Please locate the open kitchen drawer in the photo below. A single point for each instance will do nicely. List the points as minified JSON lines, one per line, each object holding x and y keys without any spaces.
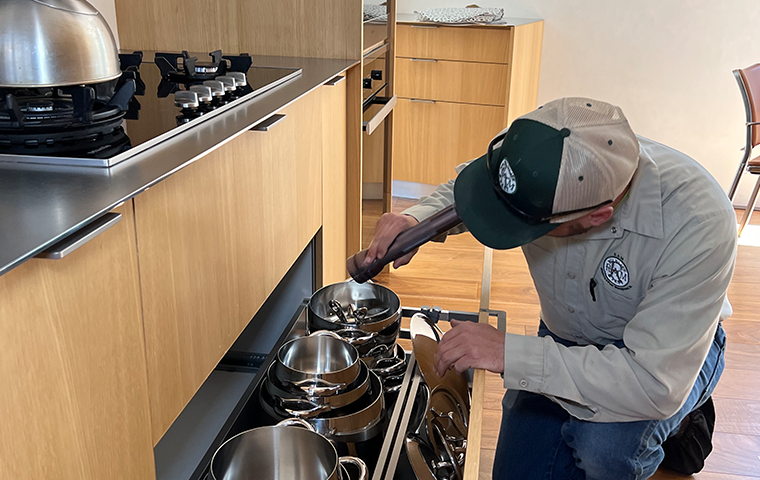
{"x":228,"y":402}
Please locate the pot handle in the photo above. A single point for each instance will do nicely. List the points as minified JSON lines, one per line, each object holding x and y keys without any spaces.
{"x":355,"y":340}
{"x":357,"y":462}
{"x":317,"y":386}
{"x":296,"y":422}
{"x":326,"y":333}
{"x":377,"y":350}
{"x":397,"y":362}
{"x":299,"y":412}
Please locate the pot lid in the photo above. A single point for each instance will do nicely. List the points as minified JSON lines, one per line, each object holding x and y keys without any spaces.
{"x":73,"y":6}
{"x":425,"y":349}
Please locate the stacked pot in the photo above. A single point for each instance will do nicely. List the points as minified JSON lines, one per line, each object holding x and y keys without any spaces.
{"x":368,"y":316}
{"x":321,"y":379}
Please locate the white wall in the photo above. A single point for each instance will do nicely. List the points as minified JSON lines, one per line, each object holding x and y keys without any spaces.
{"x":108,"y":9}
{"x":666,"y":63}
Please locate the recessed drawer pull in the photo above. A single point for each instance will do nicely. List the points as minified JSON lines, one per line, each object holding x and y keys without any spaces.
{"x":431,"y":60}
{"x":270,"y":122}
{"x":375,"y":121}
{"x":80,"y":237}
{"x":418,"y":100}
{"x":424,"y":26}
{"x":335,"y":80}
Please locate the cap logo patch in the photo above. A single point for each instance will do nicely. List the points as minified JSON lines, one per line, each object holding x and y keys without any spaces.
{"x":615,"y":272}
{"x":507,"y":179}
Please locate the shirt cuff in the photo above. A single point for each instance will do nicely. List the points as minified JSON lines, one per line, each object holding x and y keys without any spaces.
{"x":523,"y":363}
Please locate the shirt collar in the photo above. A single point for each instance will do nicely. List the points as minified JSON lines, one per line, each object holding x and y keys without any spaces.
{"x":641,"y":210}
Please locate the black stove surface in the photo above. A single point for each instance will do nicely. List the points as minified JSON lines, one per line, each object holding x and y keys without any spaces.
{"x":157,"y":97}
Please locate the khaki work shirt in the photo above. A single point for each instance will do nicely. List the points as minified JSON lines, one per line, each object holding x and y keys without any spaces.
{"x":654,"y":277}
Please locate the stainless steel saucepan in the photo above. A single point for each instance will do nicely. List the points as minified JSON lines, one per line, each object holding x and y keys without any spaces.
{"x":281,"y":452}
{"x":321,"y":362}
{"x":290,"y":396}
{"x":368,"y":307}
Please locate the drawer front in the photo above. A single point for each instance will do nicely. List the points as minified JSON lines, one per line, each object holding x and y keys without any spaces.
{"x":432,"y":138}
{"x":468,"y":44}
{"x":481,"y":83}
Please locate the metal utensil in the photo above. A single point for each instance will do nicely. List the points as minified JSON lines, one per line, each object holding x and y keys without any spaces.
{"x":55,"y":43}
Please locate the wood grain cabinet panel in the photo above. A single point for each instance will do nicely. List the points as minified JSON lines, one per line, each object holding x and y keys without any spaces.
{"x":433,"y":138}
{"x":470,"y":44}
{"x":75,"y":399}
{"x":334,"y":183}
{"x":462,"y":82}
{"x":214,"y":241}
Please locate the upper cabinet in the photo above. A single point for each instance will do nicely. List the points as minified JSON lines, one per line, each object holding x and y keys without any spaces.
{"x":292,"y":28}
{"x":458,"y":86}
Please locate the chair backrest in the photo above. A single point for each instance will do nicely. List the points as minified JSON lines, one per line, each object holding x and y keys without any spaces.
{"x":749,"y":84}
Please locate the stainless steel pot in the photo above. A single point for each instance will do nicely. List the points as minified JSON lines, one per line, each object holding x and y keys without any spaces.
{"x":281,"y":452}
{"x":357,"y":422}
{"x":290,"y":397}
{"x":318,"y":361}
{"x":383,"y":307}
{"x":55,"y":43}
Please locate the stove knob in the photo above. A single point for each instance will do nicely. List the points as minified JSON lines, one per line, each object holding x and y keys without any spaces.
{"x":229,"y":83}
{"x":203,"y":91}
{"x":185,"y":99}
{"x":217,"y":88}
{"x":240,"y":79}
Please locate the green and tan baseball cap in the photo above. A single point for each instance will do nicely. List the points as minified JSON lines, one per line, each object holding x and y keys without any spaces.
{"x":553,"y":165}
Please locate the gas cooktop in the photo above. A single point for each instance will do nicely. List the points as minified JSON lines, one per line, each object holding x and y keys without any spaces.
{"x":155,"y":99}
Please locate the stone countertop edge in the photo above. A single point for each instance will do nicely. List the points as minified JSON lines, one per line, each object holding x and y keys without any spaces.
{"x":42,"y":204}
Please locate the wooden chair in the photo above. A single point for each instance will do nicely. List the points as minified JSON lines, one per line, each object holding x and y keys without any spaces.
{"x":749,"y":85}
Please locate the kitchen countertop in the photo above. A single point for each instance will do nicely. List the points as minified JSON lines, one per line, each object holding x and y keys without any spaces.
{"x":504,"y":22}
{"x":42,"y":204}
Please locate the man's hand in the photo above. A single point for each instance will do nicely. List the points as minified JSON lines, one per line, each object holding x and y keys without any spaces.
{"x":387,"y":229}
{"x":470,"y":345}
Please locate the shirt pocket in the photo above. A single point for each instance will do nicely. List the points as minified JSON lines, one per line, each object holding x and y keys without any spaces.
{"x":612,"y":308}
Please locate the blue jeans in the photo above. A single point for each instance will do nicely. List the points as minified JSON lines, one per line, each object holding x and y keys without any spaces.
{"x":540,"y":440}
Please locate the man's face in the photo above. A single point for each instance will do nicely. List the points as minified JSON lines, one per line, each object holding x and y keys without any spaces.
{"x":568,"y":229}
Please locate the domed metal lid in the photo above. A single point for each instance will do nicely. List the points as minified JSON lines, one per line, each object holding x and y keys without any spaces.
{"x":49,"y":43}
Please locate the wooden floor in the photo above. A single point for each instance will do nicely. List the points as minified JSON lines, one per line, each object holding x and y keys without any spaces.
{"x":448,"y":275}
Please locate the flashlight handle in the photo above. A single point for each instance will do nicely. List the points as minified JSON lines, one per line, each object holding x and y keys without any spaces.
{"x":404,"y":243}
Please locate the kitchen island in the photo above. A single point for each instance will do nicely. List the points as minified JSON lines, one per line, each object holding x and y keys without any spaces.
{"x":42,"y":204}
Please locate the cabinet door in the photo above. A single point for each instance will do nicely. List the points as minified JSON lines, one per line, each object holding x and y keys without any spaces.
{"x":74,"y":402}
{"x":463,"y":82}
{"x":214,"y":241}
{"x":334,"y":184}
{"x":432,"y":138}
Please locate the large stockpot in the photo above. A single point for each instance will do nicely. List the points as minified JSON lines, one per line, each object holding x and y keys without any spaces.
{"x":357,"y":422}
{"x":280,"y":452}
{"x":319,"y":360}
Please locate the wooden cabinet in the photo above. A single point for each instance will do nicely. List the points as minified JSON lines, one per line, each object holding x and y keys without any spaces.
{"x":458,"y":86}
{"x":466,"y":44}
{"x":434,"y":137}
{"x":443,"y":80}
{"x":215,"y":239}
{"x":334,"y":183}
{"x":73,"y":363}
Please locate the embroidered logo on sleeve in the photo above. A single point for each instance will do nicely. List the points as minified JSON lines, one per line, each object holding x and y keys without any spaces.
{"x":507,"y":178}
{"x":615,"y":272}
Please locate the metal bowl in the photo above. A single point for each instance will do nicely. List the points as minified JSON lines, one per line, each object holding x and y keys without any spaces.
{"x":55,"y":43}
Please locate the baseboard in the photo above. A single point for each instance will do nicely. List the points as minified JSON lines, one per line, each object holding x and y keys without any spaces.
{"x":411,"y":189}
{"x":372,"y":191}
